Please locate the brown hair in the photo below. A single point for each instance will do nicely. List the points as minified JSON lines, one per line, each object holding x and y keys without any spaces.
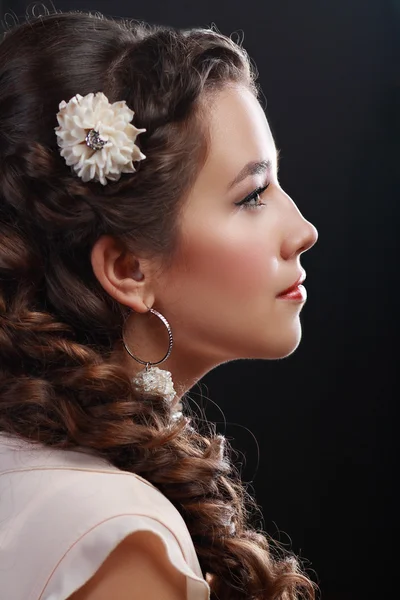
{"x":58,"y":326}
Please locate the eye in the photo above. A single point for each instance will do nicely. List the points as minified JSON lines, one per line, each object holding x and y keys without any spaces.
{"x":253,"y":196}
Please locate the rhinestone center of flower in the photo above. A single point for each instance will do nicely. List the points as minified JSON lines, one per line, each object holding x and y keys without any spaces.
{"x":94,"y":141}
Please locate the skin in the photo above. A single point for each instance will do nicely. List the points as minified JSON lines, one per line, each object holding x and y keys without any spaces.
{"x":220,"y":295}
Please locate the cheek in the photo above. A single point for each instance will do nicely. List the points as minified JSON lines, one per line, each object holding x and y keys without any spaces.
{"x":232,"y":265}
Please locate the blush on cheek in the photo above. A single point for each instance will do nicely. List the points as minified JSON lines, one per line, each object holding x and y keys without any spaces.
{"x":251,"y":268}
{"x":238,"y":270}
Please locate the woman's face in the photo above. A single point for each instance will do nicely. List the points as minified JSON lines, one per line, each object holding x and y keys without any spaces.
{"x":220,"y":296}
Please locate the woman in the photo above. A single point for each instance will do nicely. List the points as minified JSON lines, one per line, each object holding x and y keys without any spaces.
{"x":141,"y":224}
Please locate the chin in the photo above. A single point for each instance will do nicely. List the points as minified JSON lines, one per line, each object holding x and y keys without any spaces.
{"x":283,"y":345}
{"x":287,"y":351}
{"x":277,"y":344}
{"x":287,"y":347}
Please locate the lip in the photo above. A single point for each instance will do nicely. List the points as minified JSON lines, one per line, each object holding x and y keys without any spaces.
{"x":298,"y":281}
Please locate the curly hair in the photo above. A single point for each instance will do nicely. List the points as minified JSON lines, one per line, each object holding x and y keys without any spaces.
{"x":58,"y":326}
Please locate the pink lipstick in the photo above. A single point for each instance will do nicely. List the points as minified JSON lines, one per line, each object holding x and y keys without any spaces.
{"x":296,"y":291}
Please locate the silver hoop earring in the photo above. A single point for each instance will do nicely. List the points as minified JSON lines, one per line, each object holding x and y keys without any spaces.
{"x":152,"y":380}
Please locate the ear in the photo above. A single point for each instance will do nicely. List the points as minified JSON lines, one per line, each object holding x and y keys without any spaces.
{"x":123,"y":276}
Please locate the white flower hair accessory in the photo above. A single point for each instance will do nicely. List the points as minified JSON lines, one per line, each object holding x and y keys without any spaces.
{"x":96,"y":138}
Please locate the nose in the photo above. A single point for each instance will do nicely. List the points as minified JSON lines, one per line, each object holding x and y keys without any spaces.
{"x":299,"y":238}
{"x":310,"y":237}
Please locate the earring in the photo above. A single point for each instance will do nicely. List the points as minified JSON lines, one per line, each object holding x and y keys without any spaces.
{"x":152,"y":380}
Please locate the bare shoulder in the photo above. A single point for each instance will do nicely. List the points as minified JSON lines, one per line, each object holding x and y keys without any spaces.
{"x":138,"y":568}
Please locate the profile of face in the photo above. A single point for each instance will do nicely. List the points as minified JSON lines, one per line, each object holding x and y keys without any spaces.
{"x":220,"y":294}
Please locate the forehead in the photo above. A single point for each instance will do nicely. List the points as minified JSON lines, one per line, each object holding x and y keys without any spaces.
{"x":238,"y":133}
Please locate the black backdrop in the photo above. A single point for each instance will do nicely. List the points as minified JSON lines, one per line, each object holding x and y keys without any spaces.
{"x":315,"y":431}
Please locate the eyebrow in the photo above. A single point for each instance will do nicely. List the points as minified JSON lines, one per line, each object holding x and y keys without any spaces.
{"x":255,"y":167}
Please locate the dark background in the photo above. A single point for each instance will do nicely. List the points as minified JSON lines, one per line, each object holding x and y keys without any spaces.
{"x":315,"y":432}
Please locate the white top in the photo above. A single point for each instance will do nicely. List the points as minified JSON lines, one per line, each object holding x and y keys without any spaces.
{"x":63,"y":512}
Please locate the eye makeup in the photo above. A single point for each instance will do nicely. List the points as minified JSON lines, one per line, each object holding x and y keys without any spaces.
{"x":253,"y":196}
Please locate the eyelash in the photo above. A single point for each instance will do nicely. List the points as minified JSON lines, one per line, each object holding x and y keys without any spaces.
{"x":253,"y":196}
